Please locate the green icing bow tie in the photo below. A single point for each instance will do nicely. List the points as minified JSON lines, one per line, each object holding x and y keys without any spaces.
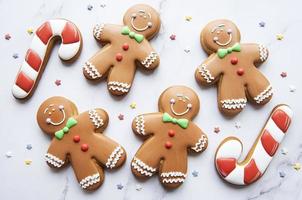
{"x":138,"y":37}
{"x":70,"y":123}
{"x":183,"y":123}
{"x":223,"y":52}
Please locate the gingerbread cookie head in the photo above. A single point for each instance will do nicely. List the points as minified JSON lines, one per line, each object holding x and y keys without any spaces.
{"x":53,"y":114}
{"x":179,"y":101}
{"x":142,"y":19}
{"x":218,"y":34}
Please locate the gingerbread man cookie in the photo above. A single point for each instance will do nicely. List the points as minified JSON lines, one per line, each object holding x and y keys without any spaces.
{"x":233,"y":66}
{"x":126,"y":46}
{"x":37,"y":55}
{"x":259,"y":157}
{"x":77,"y":138}
{"x":170,"y":134}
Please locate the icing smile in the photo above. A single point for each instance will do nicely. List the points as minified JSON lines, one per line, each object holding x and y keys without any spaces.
{"x":183,"y":98}
{"x":142,"y":14}
{"x":50,"y":110}
{"x":221,"y":28}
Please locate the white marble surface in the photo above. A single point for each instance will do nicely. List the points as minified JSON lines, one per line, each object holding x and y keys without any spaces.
{"x":19,"y":127}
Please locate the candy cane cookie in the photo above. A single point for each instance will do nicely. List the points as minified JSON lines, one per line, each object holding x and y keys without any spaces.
{"x":260,"y":155}
{"x":38,"y":53}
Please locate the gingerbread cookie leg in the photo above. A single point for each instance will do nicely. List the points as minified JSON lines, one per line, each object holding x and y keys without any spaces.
{"x":56,"y":155}
{"x":259,"y":89}
{"x":89,"y":174}
{"x":120,"y":79}
{"x":261,"y":154}
{"x":174,"y":172}
{"x":231,"y":97}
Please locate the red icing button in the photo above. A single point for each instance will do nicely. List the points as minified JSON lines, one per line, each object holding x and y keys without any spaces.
{"x":240,"y":71}
{"x":234,"y":60}
{"x":119,"y":57}
{"x":125,"y":46}
{"x":168,"y":145}
{"x":76,"y":138}
{"x":171,"y":133}
{"x":84,"y":147}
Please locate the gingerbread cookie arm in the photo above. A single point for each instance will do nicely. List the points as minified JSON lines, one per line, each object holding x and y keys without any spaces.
{"x":147,"y":57}
{"x":56,"y":154}
{"x":145,"y":125}
{"x":260,"y":155}
{"x":197,"y":139}
{"x":258,"y":52}
{"x":99,"y":119}
{"x":209,"y":71}
{"x":105,"y":33}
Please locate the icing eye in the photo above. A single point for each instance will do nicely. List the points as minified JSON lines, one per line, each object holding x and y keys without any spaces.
{"x":172,"y":101}
{"x":48,"y":120}
{"x":133,"y":15}
{"x":145,"y":17}
{"x":149,"y":24}
{"x":189,"y":105}
{"x":53,"y":109}
{"x":61,"y":107}
{"x":229,"y":31}
{"x":215,"y":39}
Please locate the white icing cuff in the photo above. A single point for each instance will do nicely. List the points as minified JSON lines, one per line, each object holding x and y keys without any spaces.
{"x":98,"y":31}
{"x":150,"y":59}
{"x":92,"y":71}
{"x":263,"y":52}
{"x":200,"y":145}
{"x":205,"y":73}
{"x":142,"y":167}
{"x":173,"y":177}
{"x":140,"y":124}
{"x":90,"y":180}
{"x":234,"y":103}
{"x":53,"y":160}
{"x":114,"y":157}
{"x":95,"y":118}
{"x":264,"y":94}
{"x":119,"y":86}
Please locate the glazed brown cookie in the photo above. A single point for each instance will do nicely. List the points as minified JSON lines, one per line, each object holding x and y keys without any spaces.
{"x":233,"y":66}
{"x":77,"y":138}
{"x":169,"y":134}
{"x":126,"y":46}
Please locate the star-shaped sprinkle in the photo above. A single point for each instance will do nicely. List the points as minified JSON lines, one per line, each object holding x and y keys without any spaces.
{"x":103,"y":5}
{"x":195,"y":173}
{"x":188,"y":18}
{"x":283,"y":74}
{"x":282,"y":174}
{"x":284,"y":151}
{"x":297,"y":166}
{"x":279,"y":36}
{"x":238,"y":125}
{"x":262,"y":24}
{"x":58,"y":82}
{"x":27,"y":162}
{"x":15,"y":55}
{"x":8,"y":154}
{"x":89,"y":7}
{"x":29,"y":147}
{"x":172,"y":37}
{"x":119,"y":186}
{"x":133,"y":105}
{"x":216,"y":129}
{"x":121,"y":117}
{"x":292,"y":88}
{"x":138,"y":187}
{"x":7,"y":36}
{"x":30,"y":31}
{"x":187,"y":50}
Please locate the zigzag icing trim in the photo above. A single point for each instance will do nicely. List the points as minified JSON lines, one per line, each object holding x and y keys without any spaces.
{"x":98,"y":31}
{"x":53,"y":160}
{"x":150,"y":59}
{"x":264,"y":94}
{"x":95,"y":118}
{"x":263,"y":51}
{"x":200,"y":145}
{"x":90,"y":180}
{"x":173,"y":177}
{"x":119,"y":86}
{"x":114,"y":157}
{"x":91,"y":70}
{"x":234,"y":103}
{"x":142,"y":168}
{"x":205,"y":73}
{"x":140,"y":124}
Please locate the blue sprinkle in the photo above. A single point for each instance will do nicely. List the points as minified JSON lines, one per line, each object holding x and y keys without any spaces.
{"x":89,"y":7}
{"x":282,"y":174}
{"x":195,"y":173}
{"x":29,"y":147}
{"x":15,"y":56}
{"x":119,"y":186}
{"x":262,"y":24}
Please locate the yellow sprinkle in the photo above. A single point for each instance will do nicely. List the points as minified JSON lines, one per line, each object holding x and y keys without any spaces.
{"x":27,"y":162}
{"x":133,"y":105}
{"x":279,"y":37}
{"x":297,"y":166}
{"x":188,"y":18}
{"x":30,"y":31}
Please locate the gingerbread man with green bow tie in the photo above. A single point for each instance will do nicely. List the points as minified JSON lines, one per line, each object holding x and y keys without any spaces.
{"x":233,"y":67}
{"x":125,"y":47}
{"x":169,"y":135}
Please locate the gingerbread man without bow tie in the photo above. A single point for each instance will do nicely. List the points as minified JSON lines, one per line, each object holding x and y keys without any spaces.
{"x":170,"y":133}
{"x":125,"y":47}
{"x":77,"y":139}
{"x":233,"y":66}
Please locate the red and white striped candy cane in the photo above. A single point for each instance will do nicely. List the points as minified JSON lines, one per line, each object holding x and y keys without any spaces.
{"x":260,"y":155}
{"x":36,"y":56}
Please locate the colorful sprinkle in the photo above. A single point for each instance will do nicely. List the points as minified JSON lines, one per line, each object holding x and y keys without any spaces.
{"x":138,"y":187}
{"x":172,"y":37}
{"x":216,"y":129}
{"x":187,"y":50}
{"x":121,"y":117}
{"x":103,"y":5}
{"x":27,"y":162}
{"x":8,"y":154}
{"x":133,"y":105}
{"x":284,"y":151}
{"x":188,"y":18}
{"x":89,"y":7}
{"x":195,"y":173}
{"x":262,"y":24}
{"x":283,"y":74}
{"x":282,"y":174}
{"x":58,"y":82}
{"x":292,"y":88}
{"x":297,"y":166}
{"x":15,"y":55}
{"x":29,"y":147}
{"x":238,"y":125}
{"x":30,"y":31}
{"x":119,"y":186}
{"x":7,"y":36}
{"x":279,"y":37}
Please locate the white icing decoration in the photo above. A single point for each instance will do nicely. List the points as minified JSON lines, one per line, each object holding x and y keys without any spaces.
{"x":53,"y":160}
{"x":234,"y":103}
{"x":200,"y":145}
{"x":222,"y":29}
{"x":49,"y":120}
{"x":18,"y":92}
{"x":119,"y":86}
{"x":29,"y":71}
{"x":90,"y":180}
{"x":68,"y":51}
{"x":236,"y":176}
{"x":147,"y":62}
{"x":114,"y":157}
{"x":98,"y":31}
{"x":173,"y":180}
{"x":140,"y":124}
{"x":264,"y":94}
{"x":38,"y":46}
{"x":95,"y":118}
{"x":205,"y":73}
{"x":181,"y":97}
{"x":263,"y":52}
{"x":57,"y":26}
{"x":142,"y":168}
{"x":92,"y":71}
{"x":173,"y":177}
{"x":133,"y":16}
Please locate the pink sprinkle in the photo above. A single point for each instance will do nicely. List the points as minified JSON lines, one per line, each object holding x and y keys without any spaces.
{"x":216,"y":129}
{"x":121,"y":117}
{"x":172,"y":37}
{"x":7,"y":36}
{"x":283,"y":74}
{"x":58,"y":82}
